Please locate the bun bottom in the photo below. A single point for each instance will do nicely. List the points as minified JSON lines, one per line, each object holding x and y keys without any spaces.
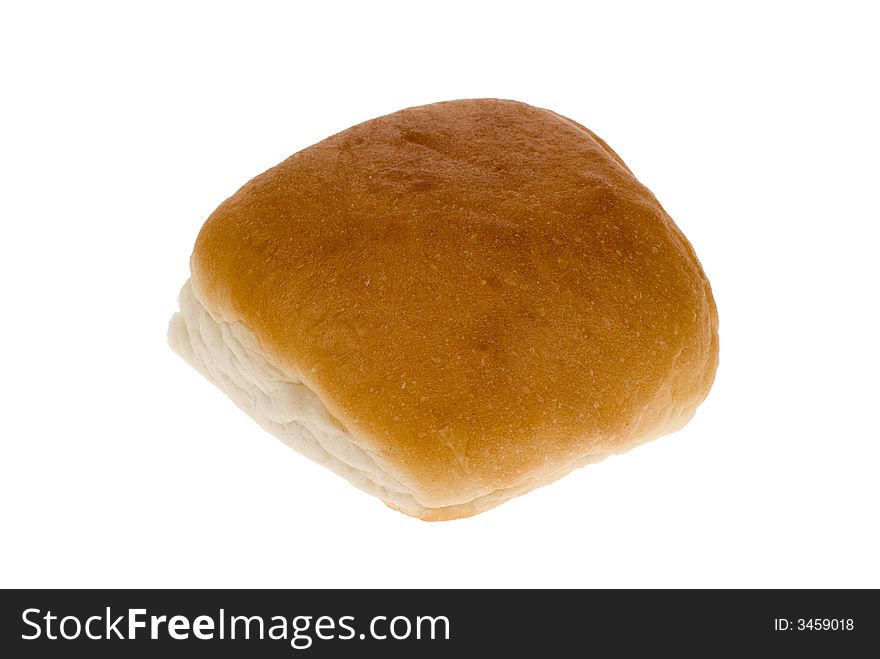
{"x":229,"y":356}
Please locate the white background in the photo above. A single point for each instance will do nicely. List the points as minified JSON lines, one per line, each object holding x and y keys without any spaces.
{"x":123,"y":128}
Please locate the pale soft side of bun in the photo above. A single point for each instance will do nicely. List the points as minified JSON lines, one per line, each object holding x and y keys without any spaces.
{"x":452,"y":305}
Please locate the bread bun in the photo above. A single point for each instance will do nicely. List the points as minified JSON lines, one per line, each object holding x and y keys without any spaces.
{"x":452,"y":305}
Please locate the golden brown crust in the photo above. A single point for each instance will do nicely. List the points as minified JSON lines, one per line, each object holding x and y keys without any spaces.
{"x":479,"y":290}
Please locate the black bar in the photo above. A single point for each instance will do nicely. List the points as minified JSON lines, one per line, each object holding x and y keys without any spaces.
{"x":833,"y":623}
